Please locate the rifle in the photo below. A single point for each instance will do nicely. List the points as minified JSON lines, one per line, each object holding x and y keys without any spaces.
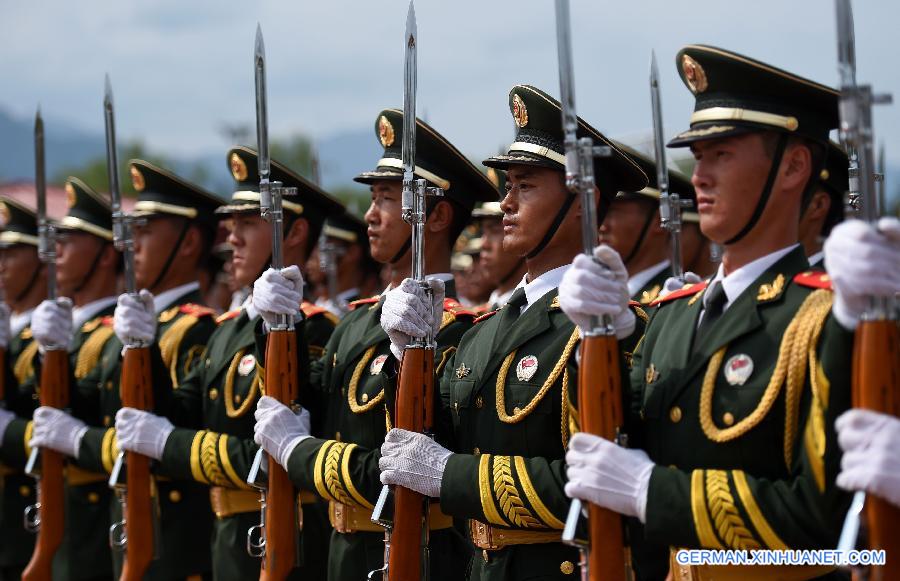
{"x":277,"y":531}
{"x":599,"y":389}
{"x":407,"y":535}
{"x":670,"y":204}
{"x":47,"y":517}
{"x":876,"y":349}
{"x":135,"y":534}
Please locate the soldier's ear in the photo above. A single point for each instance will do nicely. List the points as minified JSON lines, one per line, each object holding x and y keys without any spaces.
{"x":441,"y":217}
{"x":297,"y":235}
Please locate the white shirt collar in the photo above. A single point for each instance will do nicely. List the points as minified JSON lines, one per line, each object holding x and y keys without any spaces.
{"x":640,"y":280}
{"x":498,"y":299}
{"x":348,"y":294}
{"x":84,"y":313}
{"x":738,"y":280}
{"x":165,"y":299}
{"x":541,"y":285}
{"x":817,"y":257}
{"x":19,"y":321}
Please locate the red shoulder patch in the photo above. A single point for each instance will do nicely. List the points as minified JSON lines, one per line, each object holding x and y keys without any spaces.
{"x":107,"y":321}
{"x":196,"y":310}
{"x":485,"y":316}
{"x":228,"y":315}
{"x":368,"y":301}
{"x":634,"y":304}
{"x":814,"y":279}
{"x":310,"y":309}
{"x":688,"y":291}
{"x":453,"y":306}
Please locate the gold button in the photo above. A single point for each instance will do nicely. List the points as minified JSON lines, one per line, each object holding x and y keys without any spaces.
{"x":109,"y":385}
{"x":25,"y":490}
{"x":675,"y":414}
{"x":93,"y":498}
{"x":476,"y":451}
{"x":174,"y":496}
{"x":107,"y":421}
{"x":567,"y":567}
{"x":517,"y":410}
{"x":728,"y":419}
{"x":365,"y":397}
{"x":479,"y":402}
{"x":237,"y":398}
{"x":213,"y":394}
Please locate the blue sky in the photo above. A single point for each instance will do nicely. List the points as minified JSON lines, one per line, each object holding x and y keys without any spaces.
{"x":183,"y":69}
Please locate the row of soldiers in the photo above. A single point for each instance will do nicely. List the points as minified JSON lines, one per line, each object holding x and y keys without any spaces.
{"x":732,"y":382}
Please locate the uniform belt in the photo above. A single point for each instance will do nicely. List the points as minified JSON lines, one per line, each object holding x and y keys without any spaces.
{"x":76,"y":476}
{"x":490,"y":538}
{"x":744,"y":572}
{"x":227,"y":502}
{"x":347,"y":518}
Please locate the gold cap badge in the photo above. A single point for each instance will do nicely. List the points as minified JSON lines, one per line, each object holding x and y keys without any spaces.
{"x":137,"y":179}
{"x":70,"y":194}
{"x":238,"y":167}
{"x":385,"y":131}
{"x":694,"y":75}
{"x":520,"y":113}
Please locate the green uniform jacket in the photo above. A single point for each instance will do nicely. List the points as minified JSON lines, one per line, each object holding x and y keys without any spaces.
{"x":352,"y":419}
{"x":741,"y":427}
{"x":216,"y":403}
{"x":650,"y":291}
{"x":185,"y":517}
{"x":17,"y":489}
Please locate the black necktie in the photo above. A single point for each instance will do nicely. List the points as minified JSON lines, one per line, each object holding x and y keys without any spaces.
{"x":715,"y":306}
{"x":513,"y":307}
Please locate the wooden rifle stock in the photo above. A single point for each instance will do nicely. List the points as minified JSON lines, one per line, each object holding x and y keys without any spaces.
{"x":414,"y":413}
{"x":281,"y":497}
{"x":137,"y":392}
{"x":600,"y":411}
{"x":54,"y":387}
{"x":876,"y":387}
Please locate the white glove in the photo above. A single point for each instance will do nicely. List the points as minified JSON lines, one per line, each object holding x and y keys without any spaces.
{"x":135,"y":319}
{"x":278,"y":429}
{"x":413,"y":461}
{"x":5,"y":331}
{"x":278,"y":293}
{"x":871,"y":460}
{"x":142,"y":432}
{"x":57,"y":430}
{"x":406,"y":313}
{"x":608,"y":475}
{"x":6,"y":417}
{"x":862,"y":262}
{"x":591,"y":289}
{"x":673,"y":284}
{"x":51,"y":323}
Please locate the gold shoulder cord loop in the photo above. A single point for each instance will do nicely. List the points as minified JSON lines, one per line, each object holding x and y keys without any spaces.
{"x":355,"y":407}
{"x":554,"y":375}
{"x":797,"y":346}
{"x":229,"y":389}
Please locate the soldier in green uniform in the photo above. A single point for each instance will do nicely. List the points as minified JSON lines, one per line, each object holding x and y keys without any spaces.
{"x":507,"y":389}
{"x":632,"y":227}
{"x":87,"y":269}
{"x":213,"y":406}
{"x":826,"y":208}
{"x":349,"y":423}
{"x":172,"y":239}
{"x":504,"y":269}
{"x":738,"y":380}
{"x":24,"y":286}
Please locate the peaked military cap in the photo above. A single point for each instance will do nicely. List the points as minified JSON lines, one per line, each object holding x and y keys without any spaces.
{"x":539,"y":141}
{"x":835,"y":180}
{"x":437,"y":161}
{"x":346,"y":227}
{"x":488,"y":210}
{"x":18,"y":223}
{"x":678,"y":183}
{"x":162,"y":193}
{"x":88,"y":211}
{"x":736,"y":94}
{"x":311,"y":201}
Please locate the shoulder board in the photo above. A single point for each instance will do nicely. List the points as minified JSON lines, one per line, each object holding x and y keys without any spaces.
{"x":486,"y":316}
{"x":814,"y":279}
{"x":228,"y":315}
{"x":196,"y":310}
{"x":108,"y":321}
{"x":687,"y":291}
{"x":634,"y":304}
{"x":91,"y":326}
{"x":311,"y":310}
{"x":367,"y":301}
{"x":453,"y":306}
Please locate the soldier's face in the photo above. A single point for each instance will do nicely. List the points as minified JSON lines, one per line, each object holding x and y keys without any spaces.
{"x":251,"y":237}
{"x":624,"y":222}
{"x":495,"y":263}
{"x":534,"y":195}
{"x":729,"y":177}
{"x":153,"y":244}
{"x":17,"y":265}
{"x":76,"y":254}
{"x":386,"y":229}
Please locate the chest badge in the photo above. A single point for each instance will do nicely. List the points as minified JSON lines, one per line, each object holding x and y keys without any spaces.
{"x":738,"y":369}
{"x":462,"y":371}
{"x":526,"y":367}
{"x":377,"y":364}
{"x":246,"y":365}
{"x":651,"y":375}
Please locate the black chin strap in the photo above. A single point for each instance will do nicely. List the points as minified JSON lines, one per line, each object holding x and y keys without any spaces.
{"x":408,"y":242}
{"x":640,"y":239}
{"x":30,"y":284}
{"x":90,"y":270}
{"x":767,"y":190}
{"x":165,"y":268}
{"x":513,"y":271}
{"x":551,"y":231}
